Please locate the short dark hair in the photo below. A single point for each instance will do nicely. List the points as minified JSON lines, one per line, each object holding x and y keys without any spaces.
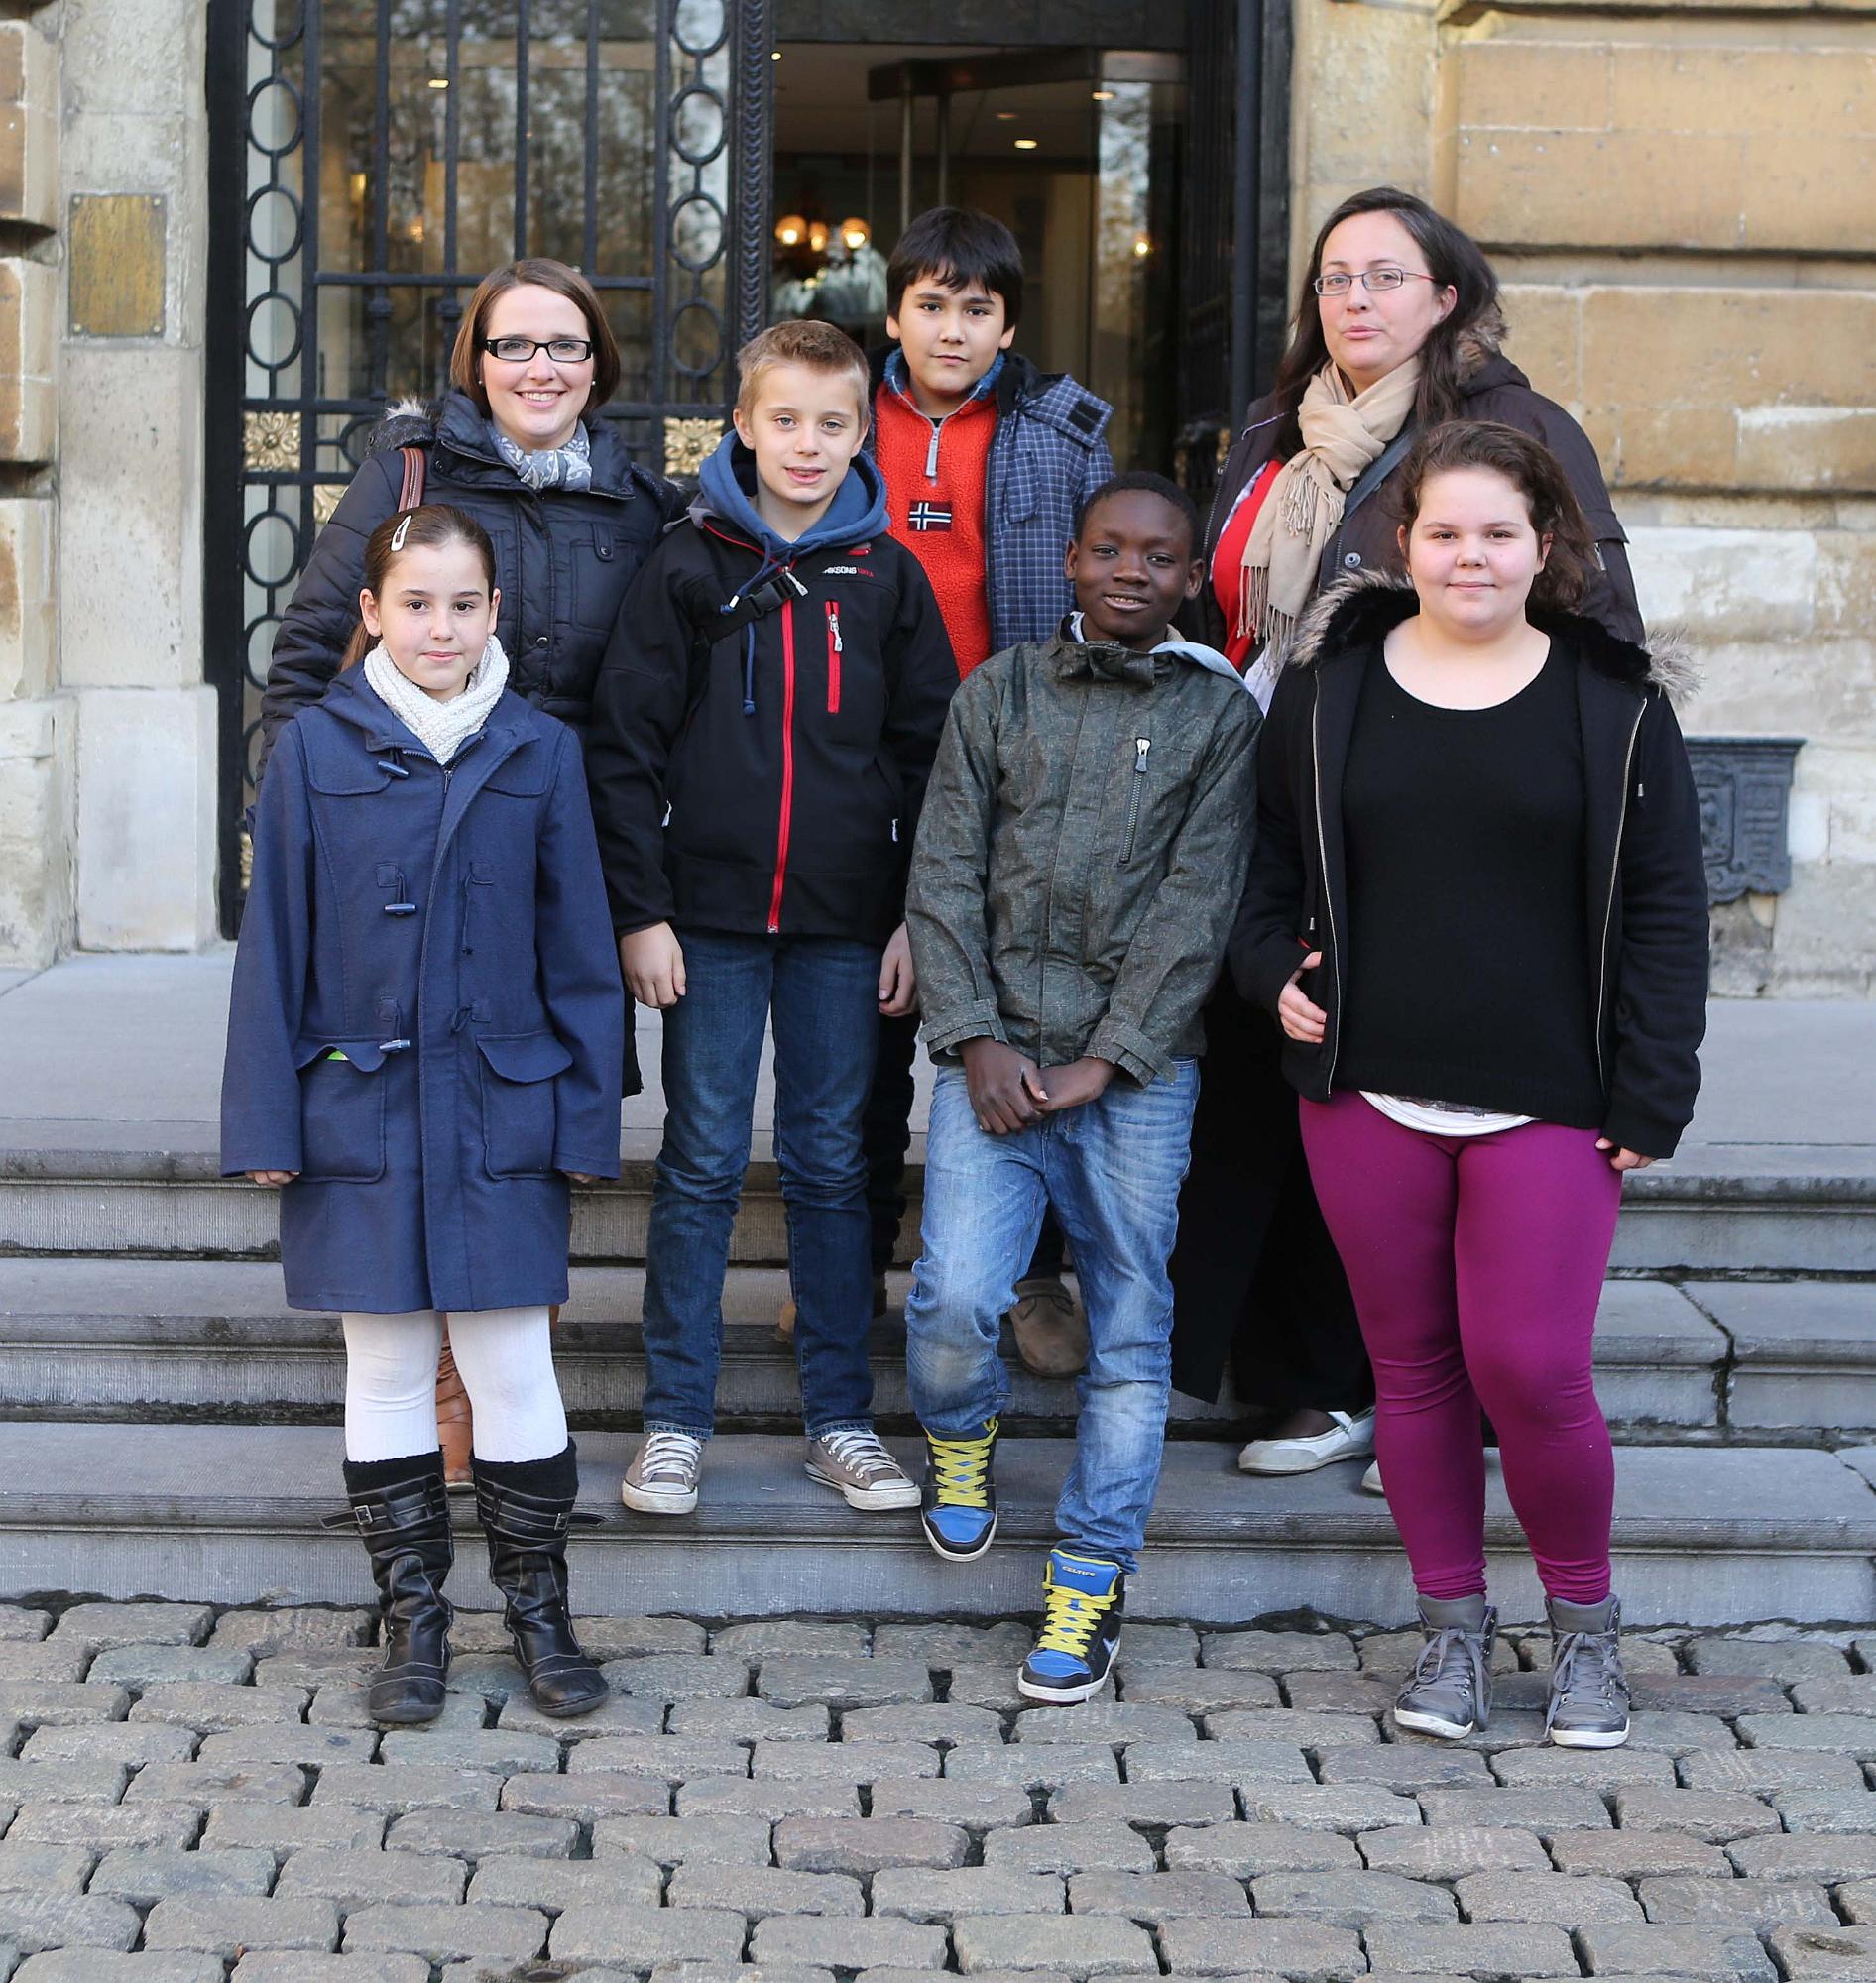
{"x":1535,"y":473}
{"x":1146,"y":483}
{"x":954,"y":246}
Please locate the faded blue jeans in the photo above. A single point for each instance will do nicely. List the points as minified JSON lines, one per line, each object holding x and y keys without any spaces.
{"x":1111,"y":1169}
{"x":824,"y":995}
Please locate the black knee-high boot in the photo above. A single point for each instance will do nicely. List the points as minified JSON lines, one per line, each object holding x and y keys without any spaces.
{"x":526,"y":1508}
{"x":401,"y":1512}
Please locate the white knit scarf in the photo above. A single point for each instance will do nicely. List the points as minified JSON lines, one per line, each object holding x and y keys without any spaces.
{"x":1342,"y":434}
{"x":442,"y":728}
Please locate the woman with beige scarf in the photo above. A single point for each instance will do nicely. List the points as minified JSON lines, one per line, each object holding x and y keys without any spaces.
{"x":1397,"y":328}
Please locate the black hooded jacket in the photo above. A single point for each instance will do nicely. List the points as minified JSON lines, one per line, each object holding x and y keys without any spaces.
{"x":1646,"y":908}
{"x":564,"y":559}
{"x":765,"y":723}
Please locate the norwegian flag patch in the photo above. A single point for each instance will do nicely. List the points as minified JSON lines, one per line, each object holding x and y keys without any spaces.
{"x":930,"y":516}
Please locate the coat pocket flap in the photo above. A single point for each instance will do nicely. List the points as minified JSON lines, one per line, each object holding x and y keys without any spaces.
{"x":368,"y":1056}
{"x":524,"y":1056}
{"x":523,"y":773}
{"x":344,"y":775}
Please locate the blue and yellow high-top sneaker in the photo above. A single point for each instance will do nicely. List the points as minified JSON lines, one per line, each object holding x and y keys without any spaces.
{"x":957,"y":1500}
{"x":1082,"y":1602}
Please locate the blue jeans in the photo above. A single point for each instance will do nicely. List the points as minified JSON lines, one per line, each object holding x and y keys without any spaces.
{"x":824,"y":994}
{"x":1111,"y":1171}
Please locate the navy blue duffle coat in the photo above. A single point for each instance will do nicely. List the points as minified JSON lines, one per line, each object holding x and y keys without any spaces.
{"x":446,"y":931}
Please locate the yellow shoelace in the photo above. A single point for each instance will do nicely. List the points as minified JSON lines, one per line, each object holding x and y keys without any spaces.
{"x":1070,"y":1619}
{"x":961,"y":1466}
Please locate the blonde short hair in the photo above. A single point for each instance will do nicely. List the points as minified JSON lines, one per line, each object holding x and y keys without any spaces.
{"x":821,"y":347}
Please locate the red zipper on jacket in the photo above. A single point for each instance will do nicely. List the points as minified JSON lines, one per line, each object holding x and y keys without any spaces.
{"x":833,"y":650}
{"x":787,"y":766}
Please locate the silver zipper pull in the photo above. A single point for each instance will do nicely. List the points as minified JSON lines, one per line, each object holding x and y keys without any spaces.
{"x":1141,"y":744}
{"x":833,"y":627}
{"x":931,"y":453}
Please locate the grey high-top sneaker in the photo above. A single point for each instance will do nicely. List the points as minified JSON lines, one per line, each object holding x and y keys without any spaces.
{"x":1588,"y":1703}
{"x":1449,"y":1691}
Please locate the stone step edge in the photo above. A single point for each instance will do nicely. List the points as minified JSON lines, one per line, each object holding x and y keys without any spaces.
{"x":297,"y":1333}
{"x":1204,"y":1501}
{"x":1823,"y":1175}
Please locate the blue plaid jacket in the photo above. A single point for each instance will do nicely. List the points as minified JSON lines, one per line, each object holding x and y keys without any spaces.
{"x":1048,"y":453}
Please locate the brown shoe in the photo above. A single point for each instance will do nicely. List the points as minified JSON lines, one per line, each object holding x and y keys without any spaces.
{"x":1050,"y":1328}
{"x":455,"y":1426}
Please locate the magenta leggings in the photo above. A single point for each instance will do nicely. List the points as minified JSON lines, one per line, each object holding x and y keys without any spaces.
{"x":1476,"y":1263}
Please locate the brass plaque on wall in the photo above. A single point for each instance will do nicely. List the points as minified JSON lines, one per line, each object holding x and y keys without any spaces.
{"x":115,"y":250}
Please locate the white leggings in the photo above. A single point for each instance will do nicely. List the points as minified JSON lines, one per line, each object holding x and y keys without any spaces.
{"x":505,"y":1356}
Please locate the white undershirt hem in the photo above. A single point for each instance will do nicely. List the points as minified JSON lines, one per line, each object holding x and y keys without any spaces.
{"x":1443,"y":1119}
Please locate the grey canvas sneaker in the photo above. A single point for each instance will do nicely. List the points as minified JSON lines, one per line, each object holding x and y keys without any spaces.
{"x":1588,"y":1698}
{"x":1449,"y":1691}
{"x":663,"y":1477}
{"x":855,"y":1465}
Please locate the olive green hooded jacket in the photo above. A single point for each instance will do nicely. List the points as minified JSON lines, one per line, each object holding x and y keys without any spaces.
{"x":1082,"y":851}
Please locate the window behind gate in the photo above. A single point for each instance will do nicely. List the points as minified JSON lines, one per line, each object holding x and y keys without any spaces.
{"x":371,"y":160}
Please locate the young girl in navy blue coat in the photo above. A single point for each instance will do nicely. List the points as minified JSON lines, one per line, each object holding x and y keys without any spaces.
{"x":423,"y":1046}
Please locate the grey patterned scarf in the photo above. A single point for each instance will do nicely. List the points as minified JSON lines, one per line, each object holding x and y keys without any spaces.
{"x":569,"y":467}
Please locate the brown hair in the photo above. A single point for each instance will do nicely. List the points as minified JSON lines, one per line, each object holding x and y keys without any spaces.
{"x":822,"y":347}
{"x":1535,"y":473}
{"x":539,"y":272}
{"x":428,"y":528}
{"x":1454,"y":261}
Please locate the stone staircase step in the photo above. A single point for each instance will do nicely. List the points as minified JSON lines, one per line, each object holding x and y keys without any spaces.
{"x":230,"y":1515}
{"x":1718,"y":1209}
{"x":1804,"y":1351}
{"x":84,"y":1337}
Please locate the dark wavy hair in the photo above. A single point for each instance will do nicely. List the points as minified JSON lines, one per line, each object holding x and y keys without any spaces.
{"x":427,"y":528}
{"x":956,"y":246}
{"x":1453,"y":260}
{"x":1535,"y":473}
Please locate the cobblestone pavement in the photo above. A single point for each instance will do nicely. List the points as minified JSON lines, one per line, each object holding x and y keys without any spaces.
{"x":193,"y":1798}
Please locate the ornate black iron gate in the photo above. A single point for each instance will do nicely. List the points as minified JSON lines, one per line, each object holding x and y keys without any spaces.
{"x":370,"y":160}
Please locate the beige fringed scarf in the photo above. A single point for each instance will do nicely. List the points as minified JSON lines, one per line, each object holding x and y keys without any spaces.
{"x":1301,"y":514}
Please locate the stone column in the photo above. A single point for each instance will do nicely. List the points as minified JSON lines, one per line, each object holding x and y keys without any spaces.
{"x":36,"y":727}
{"x":134,"y":184}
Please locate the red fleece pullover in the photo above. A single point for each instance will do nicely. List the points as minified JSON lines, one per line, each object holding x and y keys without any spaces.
{"x":935,"y":478}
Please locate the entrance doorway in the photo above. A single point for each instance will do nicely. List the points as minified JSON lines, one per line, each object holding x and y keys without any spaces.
{"x":1075,"y":150}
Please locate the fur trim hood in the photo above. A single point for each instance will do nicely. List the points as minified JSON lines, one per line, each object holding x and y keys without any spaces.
{"x":406,"y":422}
{"x":1482,"y":341}
{"x":1364,"y":606}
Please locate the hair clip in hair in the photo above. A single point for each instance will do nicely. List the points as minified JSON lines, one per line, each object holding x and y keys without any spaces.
{"x":402,"y":532}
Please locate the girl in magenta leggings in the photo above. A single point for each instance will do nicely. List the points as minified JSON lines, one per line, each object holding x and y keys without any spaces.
{"x":1477,"y":911}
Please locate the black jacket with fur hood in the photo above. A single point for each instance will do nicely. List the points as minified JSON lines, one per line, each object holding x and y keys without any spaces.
{"x":1493,"y":389}
{"x":1646,"y":912}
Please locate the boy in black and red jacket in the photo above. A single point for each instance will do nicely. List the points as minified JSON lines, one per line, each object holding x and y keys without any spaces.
{"x":764,"y":725}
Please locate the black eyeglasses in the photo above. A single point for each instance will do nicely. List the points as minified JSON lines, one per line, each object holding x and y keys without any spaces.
{"x":1369,"y":279}
{"x":519,"y":350}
